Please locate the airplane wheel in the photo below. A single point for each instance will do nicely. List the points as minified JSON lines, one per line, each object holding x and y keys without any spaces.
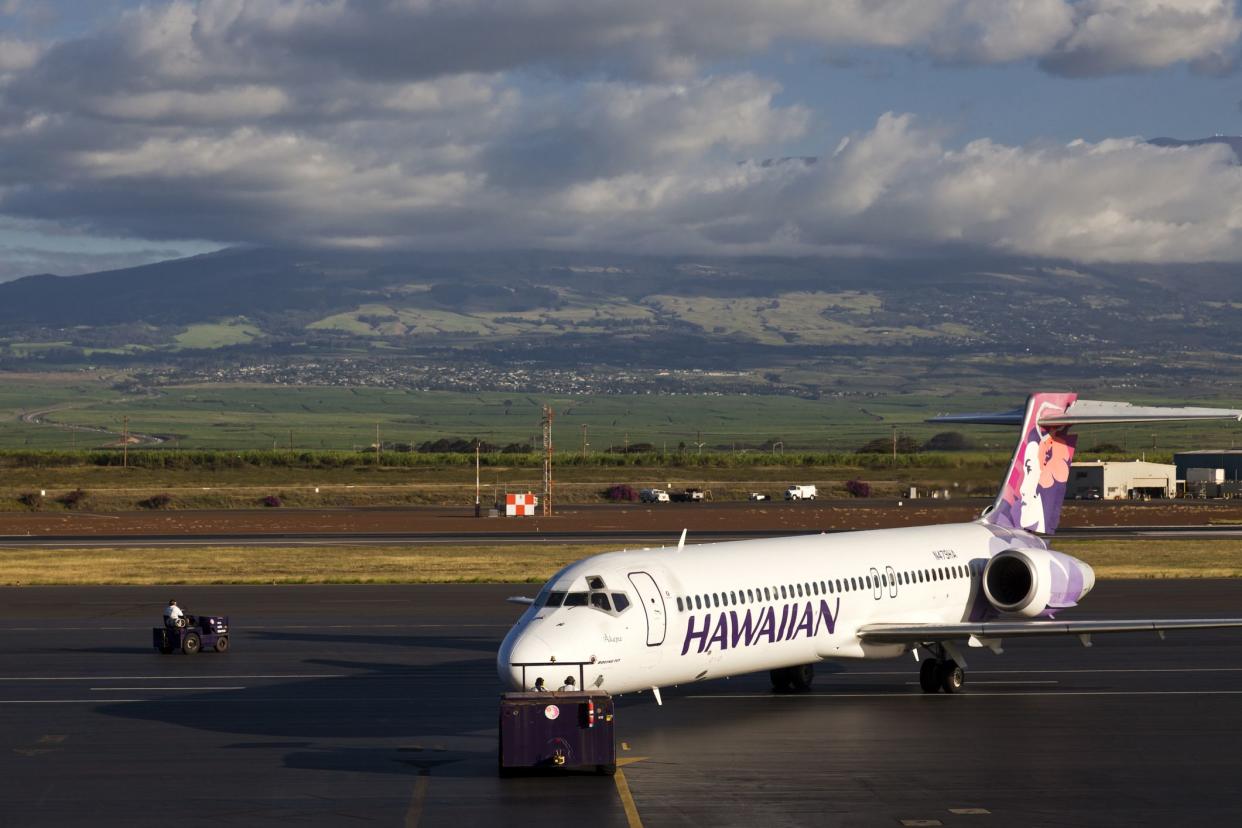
{"x":929,"y":678}
{"x":800,"y":677}
{"x":781,"y":682}
{"x":952,"y":677}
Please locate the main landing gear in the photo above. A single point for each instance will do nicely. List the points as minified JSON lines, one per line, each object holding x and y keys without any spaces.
{"x":941,"y":673}
{"x":793,"y":679}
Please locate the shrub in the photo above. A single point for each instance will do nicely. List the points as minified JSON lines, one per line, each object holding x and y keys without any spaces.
{"x":884,"y":445}
{"x":31,"y":500}
{"x":948,"y":441}
{"x":75,"y":499}
{"x":858,"y":488}
{"x":1106,"y":448}
{"x":271,"y":501}
{"x":621,"y":492}
{"x":159,"y":501}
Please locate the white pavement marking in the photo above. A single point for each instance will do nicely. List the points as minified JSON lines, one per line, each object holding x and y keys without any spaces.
{"x":1055,"y":694}
{"x":187,"y":689}
{"x":1013,"y":683}
{"x":175,"y":678}
{"x":1052,"y":672}
{"x":281,"y":627}
{"x":67,"y":701}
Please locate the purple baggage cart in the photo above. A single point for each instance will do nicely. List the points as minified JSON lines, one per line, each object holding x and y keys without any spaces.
{"x":567,"y":731}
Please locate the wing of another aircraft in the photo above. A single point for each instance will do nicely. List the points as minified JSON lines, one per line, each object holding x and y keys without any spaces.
{"x":520,"y":599}
{"x":919,"y":633}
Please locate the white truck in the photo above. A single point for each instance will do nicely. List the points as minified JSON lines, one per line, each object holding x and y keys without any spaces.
{"x":653,"y":496}
{"x":801,"y":493}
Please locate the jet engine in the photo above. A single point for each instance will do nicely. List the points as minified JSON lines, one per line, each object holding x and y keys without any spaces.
{"x":1034,"y":582}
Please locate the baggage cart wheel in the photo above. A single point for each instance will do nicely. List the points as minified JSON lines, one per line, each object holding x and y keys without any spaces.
{"x":191,"y":643}
{"x":222,"y":644}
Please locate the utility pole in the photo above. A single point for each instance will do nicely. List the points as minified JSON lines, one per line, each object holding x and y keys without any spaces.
{"x":627,"y":442}
{"x":584,"y":441}
{"x":894,"y":444}
{"x":547,"y":461}
{"x":478,"y":510}
{"x":290,"y":439}
{"x":125,"y":442}
{"x":377,"y":446}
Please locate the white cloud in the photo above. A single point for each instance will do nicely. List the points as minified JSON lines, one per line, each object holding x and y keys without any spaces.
{"x":1119,"y":35}
{"x":589,"y":124}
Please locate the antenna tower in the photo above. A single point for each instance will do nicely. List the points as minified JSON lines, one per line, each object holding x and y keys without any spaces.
{"x":547,"y":461}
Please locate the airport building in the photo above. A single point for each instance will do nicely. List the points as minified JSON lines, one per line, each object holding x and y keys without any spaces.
{"x":1210,"y":473}
{"x":1109,"y":480}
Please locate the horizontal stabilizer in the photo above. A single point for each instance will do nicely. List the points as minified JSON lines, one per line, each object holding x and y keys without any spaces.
{"x":1005,"y":418}
{"x":919,"y":633}
{"x":1087,"y":412}
{"x":1095,"y":412}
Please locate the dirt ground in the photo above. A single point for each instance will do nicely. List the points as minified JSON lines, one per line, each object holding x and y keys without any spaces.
{"x":775,"y":517}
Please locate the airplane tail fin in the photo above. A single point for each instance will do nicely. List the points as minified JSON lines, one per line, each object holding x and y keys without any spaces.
{"x":1033,"y":488}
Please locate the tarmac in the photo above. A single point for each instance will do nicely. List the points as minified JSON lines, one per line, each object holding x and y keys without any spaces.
{"x":376,"y":705}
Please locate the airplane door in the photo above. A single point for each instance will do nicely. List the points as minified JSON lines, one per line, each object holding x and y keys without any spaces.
{"x":877,"y":590}
{"x":653,"y":605}
{"x":892,"y":581}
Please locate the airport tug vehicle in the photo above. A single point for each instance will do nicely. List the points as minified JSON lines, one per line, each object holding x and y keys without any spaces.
{"x":557,"y":731}
{"x":193,"y":633}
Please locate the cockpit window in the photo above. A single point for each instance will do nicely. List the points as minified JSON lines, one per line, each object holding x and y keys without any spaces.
{"x":620,"y":602}
{"x":555,"y":599}
{"x":600,"y":600}
{"x":576,"y":599}
{"x":595,"y":582}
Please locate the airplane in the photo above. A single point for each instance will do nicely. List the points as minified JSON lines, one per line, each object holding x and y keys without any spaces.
{"x":639,"y":620}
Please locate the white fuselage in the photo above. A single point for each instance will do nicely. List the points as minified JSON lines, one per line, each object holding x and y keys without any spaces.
{"x":722,"y":609}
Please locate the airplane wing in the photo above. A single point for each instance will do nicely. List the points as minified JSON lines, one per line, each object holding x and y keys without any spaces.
{"x":520,"y":599}
{"x":918,"y":633}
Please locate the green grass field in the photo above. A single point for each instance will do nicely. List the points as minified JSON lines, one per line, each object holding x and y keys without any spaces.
{"x":530,"y":563}
{"x":267,"y":416}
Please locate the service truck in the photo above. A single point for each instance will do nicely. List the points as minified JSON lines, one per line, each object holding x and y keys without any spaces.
{"x":796,"y":492}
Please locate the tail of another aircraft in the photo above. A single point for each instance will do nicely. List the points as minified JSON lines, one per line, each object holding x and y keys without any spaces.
{"x":1033,"y":488}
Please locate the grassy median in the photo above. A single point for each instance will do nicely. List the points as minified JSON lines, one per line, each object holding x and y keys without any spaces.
{"x":459,"y":564}
{"x":286,"y":564}
{"x":1150,"y":558}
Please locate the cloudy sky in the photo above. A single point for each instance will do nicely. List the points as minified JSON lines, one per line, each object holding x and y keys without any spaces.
{"x":132,"y":132}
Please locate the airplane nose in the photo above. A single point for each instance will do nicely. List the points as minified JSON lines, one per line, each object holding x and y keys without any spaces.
{"x":523,"y":647}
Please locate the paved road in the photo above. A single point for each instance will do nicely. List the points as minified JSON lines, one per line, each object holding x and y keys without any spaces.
{"x":376,"y":705}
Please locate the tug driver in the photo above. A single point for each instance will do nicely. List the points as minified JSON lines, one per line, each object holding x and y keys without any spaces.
{"x":173,"y":616}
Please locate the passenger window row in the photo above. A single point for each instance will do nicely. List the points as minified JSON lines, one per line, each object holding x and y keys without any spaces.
{"x":807,"y":589}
